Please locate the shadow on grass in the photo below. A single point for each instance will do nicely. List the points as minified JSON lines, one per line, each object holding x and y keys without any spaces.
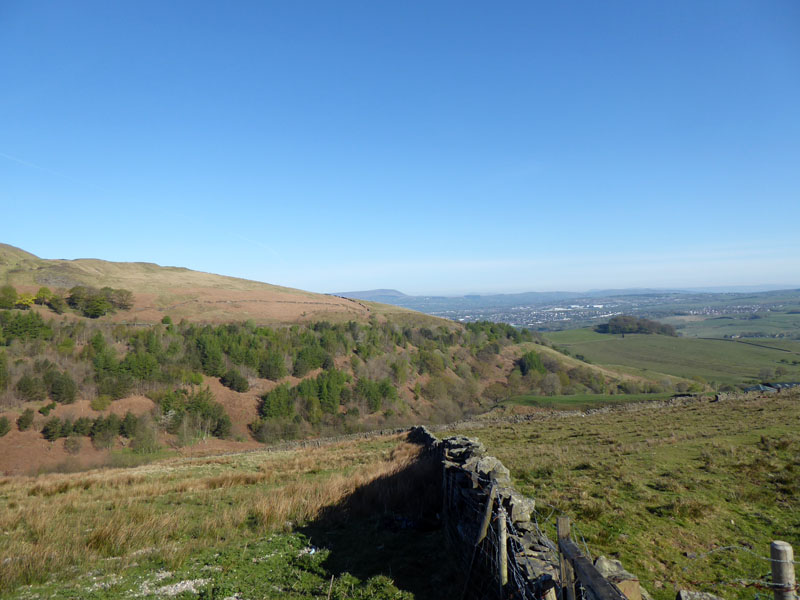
{"x":391,"y":527}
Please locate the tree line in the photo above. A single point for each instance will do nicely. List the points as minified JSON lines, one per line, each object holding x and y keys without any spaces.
{"x":86,"y":300}
{"x":346,"y":376}
{"x":623,"y":324}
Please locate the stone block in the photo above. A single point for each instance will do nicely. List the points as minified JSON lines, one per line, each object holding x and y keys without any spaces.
{"x":690,"y":595}
{"x":626,"y":582}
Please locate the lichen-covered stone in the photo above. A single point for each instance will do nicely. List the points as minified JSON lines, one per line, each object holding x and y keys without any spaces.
{"x":690,"y":595}
{"x":519,"y":507}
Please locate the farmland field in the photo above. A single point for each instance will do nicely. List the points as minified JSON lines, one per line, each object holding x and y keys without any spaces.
{"x":762,"y":324}
{"x":722,"y":361}
{"x":666,"y":490}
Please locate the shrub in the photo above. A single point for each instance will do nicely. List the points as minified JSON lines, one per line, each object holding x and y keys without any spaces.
{"x":100,"y":403}
{"x":66,"y":428}
{"x":272,"y":367}
{"x":73,"y":444}
{"x":234,"y":380}
{"x":62,"y":387}
{"x":82,"y":426}
{"x":195,"y":414}
{"x":25,"y":420}
{"x":5,"y":426}
{"x":531,"y":362}
{"x":145,"y":438}
{"x":128,"y":426}
{"x":105,"y":431}
{"x":31,"y":389}
{"x":45,"y":410}
{"x":52,"y":429}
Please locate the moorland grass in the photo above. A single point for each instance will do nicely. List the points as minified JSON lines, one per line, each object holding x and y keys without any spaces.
{"x":665,"y":489}
{"x":581,"y":401}
{"x":58,"y":529}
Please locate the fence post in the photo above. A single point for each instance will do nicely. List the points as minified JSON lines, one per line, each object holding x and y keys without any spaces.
{"x":567,"y":580}
{"x":502,"y":549}
{"x":783,"y":581}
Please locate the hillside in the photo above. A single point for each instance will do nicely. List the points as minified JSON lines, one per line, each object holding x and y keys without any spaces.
{"x":96,"y":392}
{"x":183,"y":293}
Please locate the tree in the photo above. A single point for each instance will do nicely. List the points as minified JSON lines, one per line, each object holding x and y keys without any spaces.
{"x":57,"y":304}
{"x":531,"y":361}
{"x":551,"y":384}
{"x":43,"y":296}
{"x":31,"y":388}
{"x":24,"y":301}
{"x":96,"y":307}
{"x":62,"y":387}
{"x":52,"y":429}
{"x":272,"y":366}
{"x":234,"y":380}
{"x":121,"y":299}
{"x":5,"y":376}
{"x":8,"y":296}
{"x":128,"y":427}
{"x":5,"y":426}
{"x":25,"y":420}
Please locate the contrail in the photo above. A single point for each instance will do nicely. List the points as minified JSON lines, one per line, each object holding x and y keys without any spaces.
{"x":51,"y":172}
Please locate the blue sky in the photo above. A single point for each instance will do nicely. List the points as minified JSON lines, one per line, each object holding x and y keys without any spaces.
{"x":432,"y":147}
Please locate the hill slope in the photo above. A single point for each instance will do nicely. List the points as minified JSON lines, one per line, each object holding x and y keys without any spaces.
{"x":182,"y":293}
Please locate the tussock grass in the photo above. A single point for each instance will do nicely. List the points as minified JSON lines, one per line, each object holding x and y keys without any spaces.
{"x":58,"y":524}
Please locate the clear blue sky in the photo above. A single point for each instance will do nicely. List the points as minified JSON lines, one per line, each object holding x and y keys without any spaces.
{"x":432,"y":147}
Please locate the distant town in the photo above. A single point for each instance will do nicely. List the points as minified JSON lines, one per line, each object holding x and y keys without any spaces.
{"x":561,"y":310}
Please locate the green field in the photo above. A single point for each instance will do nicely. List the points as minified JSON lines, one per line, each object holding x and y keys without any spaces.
{"x":581,"y":401}
{"x":666,"y":489}
{"x":721,"y":361}
{"x":765,"y":324}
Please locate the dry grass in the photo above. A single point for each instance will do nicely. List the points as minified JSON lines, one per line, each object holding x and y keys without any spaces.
{"x":171,"y":509}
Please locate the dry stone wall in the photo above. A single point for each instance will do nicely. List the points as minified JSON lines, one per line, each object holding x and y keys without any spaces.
{"x":490,"y":525}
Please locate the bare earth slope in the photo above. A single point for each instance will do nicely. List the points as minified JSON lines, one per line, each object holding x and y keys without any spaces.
{"x":182,"y":293}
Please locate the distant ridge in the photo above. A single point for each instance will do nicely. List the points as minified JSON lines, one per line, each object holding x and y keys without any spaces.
{"x":373,"y":295}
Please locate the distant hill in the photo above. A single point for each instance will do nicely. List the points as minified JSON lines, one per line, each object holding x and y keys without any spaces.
{"x":388,"y":296}
{"x":180,"y":292}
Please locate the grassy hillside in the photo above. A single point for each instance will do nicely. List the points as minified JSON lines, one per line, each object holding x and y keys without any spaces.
{"x":231,"y":386}
{"x":667,"y":490}
{"x":183,"y":293}
{"x":721,"y":361}
{"x":316,"y":523}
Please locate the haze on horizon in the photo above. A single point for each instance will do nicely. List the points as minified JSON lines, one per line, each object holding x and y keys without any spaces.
{"x":434,"y":149}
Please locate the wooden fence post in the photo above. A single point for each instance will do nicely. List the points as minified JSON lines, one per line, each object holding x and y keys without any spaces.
{"x":502,"y":549}
{"x":567,"y":579}
{"x":783,"y":580}
{"x":487,"y":517}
